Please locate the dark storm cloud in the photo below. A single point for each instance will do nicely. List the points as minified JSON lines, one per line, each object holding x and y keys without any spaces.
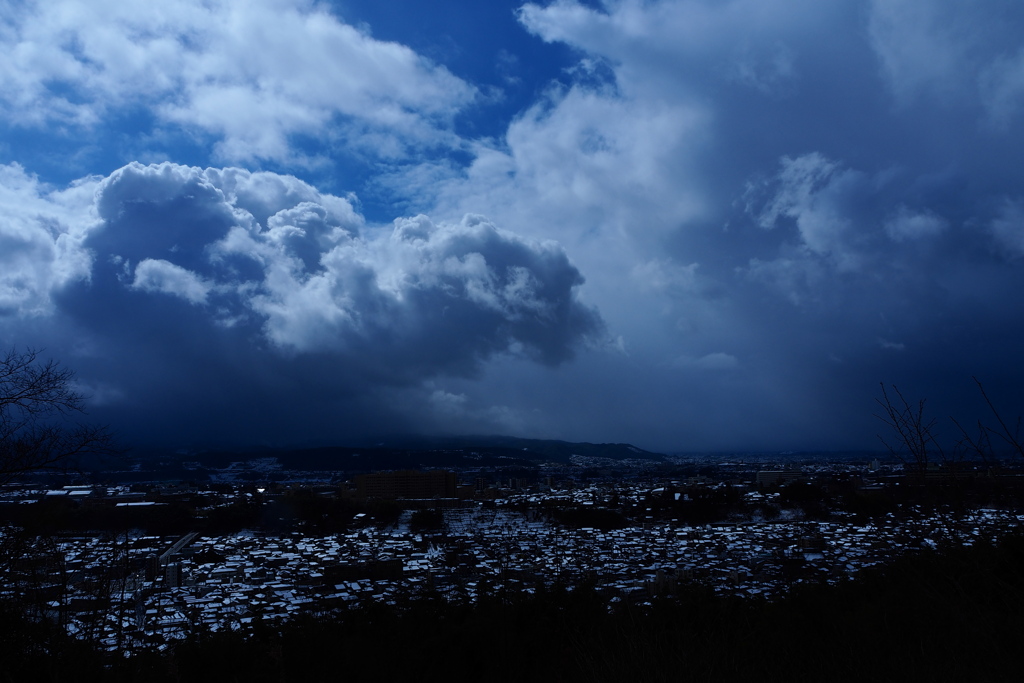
{"x":809,"y":198}
{"x":228,"y":305}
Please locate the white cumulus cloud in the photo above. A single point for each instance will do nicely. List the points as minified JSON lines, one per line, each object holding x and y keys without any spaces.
{"x":252,"y":75}
{"x":41,"y":231}
{"x":157,"y":275}
{"x":298,"y":268}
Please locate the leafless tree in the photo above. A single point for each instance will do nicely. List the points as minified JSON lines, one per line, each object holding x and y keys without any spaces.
{"x":979,"y":446}
{"x":38,"y":407}
{"x":913,"y":432}
{"x":1012,"y":438}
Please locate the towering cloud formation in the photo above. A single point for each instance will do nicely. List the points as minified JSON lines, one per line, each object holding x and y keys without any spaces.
{"x":181,"y":270}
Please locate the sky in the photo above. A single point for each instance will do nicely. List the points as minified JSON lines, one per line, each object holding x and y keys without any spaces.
{"x":690,"y":225}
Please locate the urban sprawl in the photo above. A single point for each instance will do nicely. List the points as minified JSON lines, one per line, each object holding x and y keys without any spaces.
{"x":461,"y":535}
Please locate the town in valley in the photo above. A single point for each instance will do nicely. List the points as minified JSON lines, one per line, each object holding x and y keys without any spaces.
{"x":144,"y":556}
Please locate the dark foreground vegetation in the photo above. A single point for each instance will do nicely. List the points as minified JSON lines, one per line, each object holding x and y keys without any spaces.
{"x":951,"y":615}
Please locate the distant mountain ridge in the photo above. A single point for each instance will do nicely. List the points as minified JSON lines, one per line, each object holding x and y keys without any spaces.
{"x":451,"y":451}
{"x":553,"y":449}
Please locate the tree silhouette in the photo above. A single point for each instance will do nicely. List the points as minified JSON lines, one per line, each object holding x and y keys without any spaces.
{"x":1012,"y":437}
{"x":38,"y":404}
{"x":913,"y":432}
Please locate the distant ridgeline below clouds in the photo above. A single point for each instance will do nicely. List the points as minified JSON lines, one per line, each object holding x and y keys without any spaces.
{"x":397,"y":453}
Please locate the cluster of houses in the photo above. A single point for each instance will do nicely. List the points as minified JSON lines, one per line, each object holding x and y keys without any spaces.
{"x":128,"y":590}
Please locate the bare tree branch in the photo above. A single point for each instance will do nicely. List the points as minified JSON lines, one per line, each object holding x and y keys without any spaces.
{"x":914,"y":435}
{"x":980,"y":446}
{"x":1004,"y":433}
{"x":38,"y":401}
